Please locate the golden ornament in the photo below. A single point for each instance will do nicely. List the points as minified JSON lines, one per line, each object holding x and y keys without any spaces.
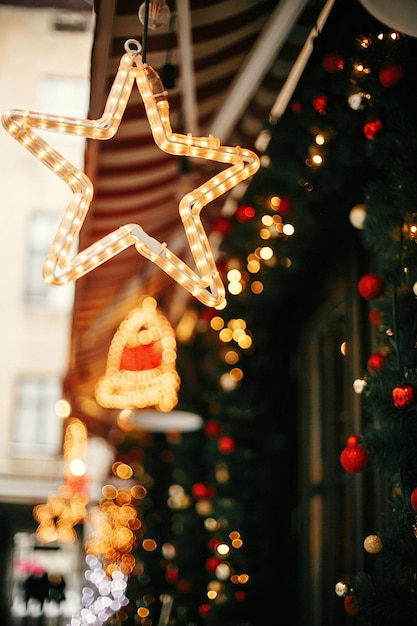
{"x":372,"y":544}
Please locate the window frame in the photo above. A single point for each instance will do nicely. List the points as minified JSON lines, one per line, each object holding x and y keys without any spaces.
{"x":36,"y":433}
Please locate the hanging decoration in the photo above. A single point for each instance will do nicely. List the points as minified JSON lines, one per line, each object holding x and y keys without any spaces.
{"x":350,"y":606}
{"x":62,"y":265}
{"x":67,"y":508}
{"x":403,"y":395}
{"x":58,"y":516}
{"x":372,"y":544}
{"x":376,"y":361}
{"x":75,"y":451}
{"x":371,"y":286}
{"x":154,"y":14}
{"x":141,"y":363}
{"x":354,"y":457}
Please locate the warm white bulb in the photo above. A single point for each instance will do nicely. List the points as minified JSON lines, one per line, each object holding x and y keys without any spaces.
{"x":359,"y":385}
{"x":77,"y":467}
{"x":357,"y":216}
{"x":158,"y":14}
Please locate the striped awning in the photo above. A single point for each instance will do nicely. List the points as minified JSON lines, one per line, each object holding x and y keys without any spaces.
{"x":223,"y":63}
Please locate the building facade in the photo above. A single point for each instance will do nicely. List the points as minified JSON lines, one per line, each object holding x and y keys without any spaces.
{"x":45,"y":67}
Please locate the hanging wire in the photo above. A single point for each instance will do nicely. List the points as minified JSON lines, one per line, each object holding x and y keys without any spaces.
{"x":394,"y":305}
{"x":168,"y":71}
{"x":145,"y":31}
{"x":395,"y":329}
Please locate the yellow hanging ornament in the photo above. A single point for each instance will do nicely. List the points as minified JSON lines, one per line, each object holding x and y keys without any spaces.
{"x":140,"y":369}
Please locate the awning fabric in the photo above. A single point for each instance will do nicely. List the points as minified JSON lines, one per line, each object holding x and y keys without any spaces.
{"x":135,"y":182}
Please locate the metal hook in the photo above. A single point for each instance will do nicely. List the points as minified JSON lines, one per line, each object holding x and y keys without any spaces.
{"x":129,"y":43}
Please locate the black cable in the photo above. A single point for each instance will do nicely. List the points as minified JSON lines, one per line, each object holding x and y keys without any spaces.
{"x":145,"y":31}
{"x":395,"y":329}
{"x":395,"y":317}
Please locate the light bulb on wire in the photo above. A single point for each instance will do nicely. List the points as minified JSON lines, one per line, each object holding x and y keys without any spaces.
{"x":158,"y":14}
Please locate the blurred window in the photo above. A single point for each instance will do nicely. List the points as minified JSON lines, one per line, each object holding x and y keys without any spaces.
{"x":41,"y":232}
{"x":67,"y":96}
{"x":37,"y":429}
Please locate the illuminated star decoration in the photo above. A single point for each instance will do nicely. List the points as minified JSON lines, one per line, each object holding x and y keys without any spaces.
{"x":58,"y":516}
{"x":204,"y":283}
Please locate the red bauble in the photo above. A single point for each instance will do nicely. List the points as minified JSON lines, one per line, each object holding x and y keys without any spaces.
{"x":222,"y":226}
{"x":354,"y":457}
{"x":212,"y":563}
{"x":203,"y":609}
{"x":372,"y":127}
{"x":226,"y":445}
{"x":285,"y":206}
{"x":183,"y":585}
{"x":375,"y":362}
{"x":296,"y":106}
{"x":349,"y":607}
{"x":402,"y":395}
{"x":375,"y":317}
{"x":245,"y":213}
{"x":200,"y":490}
{"x":333,"y":62}
{"x":207,"y":314}
{"x":371,"y":286}
{"x":213,"y":544}
{"x":172,"y":574}
{"x":222,"y":268}
{"x":414,"y":499}
{"x":212,"y":428}
{"x":390,"y":75}
{"x":353,"y":441}
{"x":320,"y":104}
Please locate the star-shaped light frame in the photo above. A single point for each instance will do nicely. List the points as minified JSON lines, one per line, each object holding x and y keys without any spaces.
{"x":59,"y":267}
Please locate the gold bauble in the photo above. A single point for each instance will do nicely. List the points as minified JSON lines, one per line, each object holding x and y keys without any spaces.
{"x":372,"y":544}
